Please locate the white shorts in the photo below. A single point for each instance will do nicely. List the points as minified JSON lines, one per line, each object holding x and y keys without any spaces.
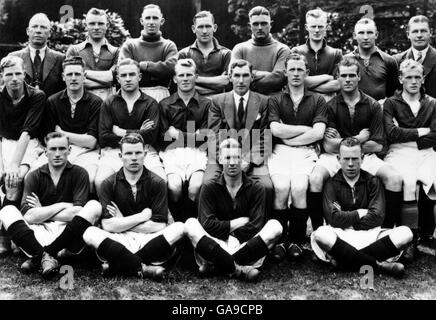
{"x":413,"y":165}
{"x":110,"y":158}
{"x":359,"y":239}
{"x":47,"y":232}
{"x":34,"y":149}
{"x":80,"y":156}
{"x":157,"y":93}
{"x":291,"y":161}
{"x":134,"y":241}
{"x":371,"y":163}
{"x":102,"y":93}
{"x":231,"y":246}
{"x":183,"y":161}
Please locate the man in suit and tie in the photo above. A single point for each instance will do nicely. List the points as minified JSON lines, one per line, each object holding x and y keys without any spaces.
{"x":43,"y":65}
{"x":242,"y":113}
{"x":419,"y":34}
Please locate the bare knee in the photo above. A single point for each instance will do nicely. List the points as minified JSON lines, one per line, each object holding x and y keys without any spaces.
{"x":317,"y":178}
{"x":282,"y":187}
{"x":175,"y":187}
{"x":92,"y":211}
{"x":93,"y":237}
{"x":194,"y":190}
{"x":401,"y":236}
{"x":9,"y":215}
{"x":391,"y":179}
{"x":271,"y":232}
{"x":299,"y":191}
{"x":193,"y":230}
{"x":325,"y":237}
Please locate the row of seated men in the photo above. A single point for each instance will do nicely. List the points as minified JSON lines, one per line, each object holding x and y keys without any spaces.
{"x":293,"y":188}
{"x":297,"y":120}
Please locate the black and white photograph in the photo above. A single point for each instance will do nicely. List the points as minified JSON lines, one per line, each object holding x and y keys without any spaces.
{"x":217,"y":155}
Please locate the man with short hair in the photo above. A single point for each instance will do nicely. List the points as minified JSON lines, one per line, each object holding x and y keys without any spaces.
{"x":322,"y":58}
{"x":410,"y":124}
{"x":244,"y":114}
{"x":54,"y":210}
{"x":266,"y":54}
{"x":352,"y":113}
{"x":99,"y":55}
{"x":353,"y":204}
{"x":231,"y":232}
{"x":75,"y":112}
{"x":155,"y":55}
{"x":419,"y":34}
{"x":43,"y":66}
{"x":21,"y":109}
{"x":183,"y":115}
{"x":379,"y":71}
{"x":135,"y":238}
{"x":297,"y":119}
{"x":130,"y":110}
{"x":211,"y":58}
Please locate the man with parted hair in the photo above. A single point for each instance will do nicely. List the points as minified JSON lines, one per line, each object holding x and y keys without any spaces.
{"x":99,"y":55}
{"x":21,"y":109}
{"x":352,"y":113}
{"x":379,"y":71}
{"x":353,"y":203}
{"x":321,"y":57}
{"x":43,"y":66}
{"x":182,"y":116}
{"x":129,"y":110}
{"x":297,"y":119}
{"x":156,"y":56}
{"x":231,"y":234}
{"x":410,"y":124}
{"x":243,"y":114}
{"x":75,"y":112}
{"x":55,"y":211}
{"x":135,"y":238}
{"x":266,"y":54}
{"x":419,"y":34}
{"x":211,"y":58}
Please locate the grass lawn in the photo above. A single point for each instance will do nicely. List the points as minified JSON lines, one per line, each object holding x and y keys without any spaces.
{"x":303,"y":280}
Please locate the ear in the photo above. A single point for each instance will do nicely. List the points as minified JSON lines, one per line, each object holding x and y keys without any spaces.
{"x":27,"y":31}
{"x":376,"y":34}
{"x":140,"y":75}
{"x":338,"y":157}
{"x":162,"y":21}
{"x":63,"y":76}
{"x":354,"y":35}
{"x":193,"y":29}
{"x":400,"y":78}
{"x":306,"y":27}
{"x":119,"y":154}
{"x":215,"y":27}
{"x":69,"y":149}
{"x":174,"y":79}
{"x":141,"y":21}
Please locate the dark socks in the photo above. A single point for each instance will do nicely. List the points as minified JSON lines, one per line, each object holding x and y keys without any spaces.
{"x":120,"y":259}
{"x":282,"y":216}
{"x":211,"y":251}
{"x":409,"y":214}
{"x":73,"y":232}
{"x":349,"y":257}
{"x":253,"y":250}
{"x":426,"y":218}
{"x":190,"y":209}
{"x":156,"y":250}
{"x":394,"y":203}
{"x":24,"y":238}
{"x":314,"y":208}
{"x":297,"y":225}
{"x":382,"y":249}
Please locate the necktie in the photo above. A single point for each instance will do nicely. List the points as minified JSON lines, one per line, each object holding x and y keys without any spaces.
{"x":419,"y":57}
{"x":241,"y":110}
{"x":37,"y":66}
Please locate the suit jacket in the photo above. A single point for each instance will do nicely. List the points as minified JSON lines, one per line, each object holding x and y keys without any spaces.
{"x":52,"y":70}
{"x":255,"y":140}
{"x":429,"y":68}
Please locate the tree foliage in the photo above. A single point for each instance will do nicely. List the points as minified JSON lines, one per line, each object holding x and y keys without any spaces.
{"x":288,"y":19}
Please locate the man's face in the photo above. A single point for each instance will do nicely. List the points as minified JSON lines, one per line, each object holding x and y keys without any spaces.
{"x":230,"y":159}
{"x":350,"y":159}
{"x":13,"y":77}
{"x":316,"y":27}
{"x":132,"y":156}
{"x":412,"y":80}
{"x":57,"y":152}
{"x":348,"y":78}
{"x":365,"y":35}
{"x":241,"y":78}
{"x":204,"y":29}
{"x":260,"y":26}
{"x":185,"y":78}
{"x":38,"y":31}
{"x":96,"y":26}
{"x":419,"y":35}
{"x":151,"y":20}
{"x":129,"y":77}
{"x":74,"y":77}
{"x":296,"y":72}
